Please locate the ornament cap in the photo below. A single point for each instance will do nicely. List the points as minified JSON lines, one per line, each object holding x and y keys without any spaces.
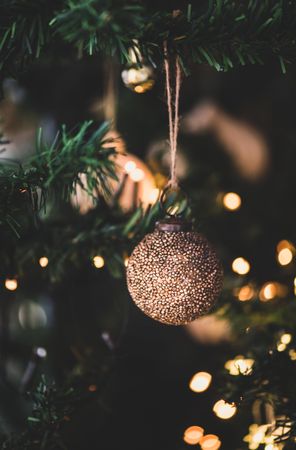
{"x":173,"y":224}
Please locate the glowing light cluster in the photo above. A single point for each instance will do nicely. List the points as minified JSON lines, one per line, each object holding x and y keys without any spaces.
{"x":285,"y":339}
{"x":272,"y":447}
{"x":200,"y":382}
{"x":210,"y":442}
{"x":130,"y":166}
{"x":240,"y":365}
{"x":137,"y":175}
{"x":134,"y":172}
{"x":195,"y":435}
{"x":192,"y":435}
{"x":257,"y":436}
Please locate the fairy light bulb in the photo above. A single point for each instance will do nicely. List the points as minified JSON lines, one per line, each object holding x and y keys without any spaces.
{"x":11,"y":284}
{"x":126,"y":261}
{"x":240,"y":366}
{"x":259,"y":435}
{"x":98,"y":262}
{"x":130,"y":166}
{"x":43,"y":261}
{"x":281,"y":347}
{"x":268,"y":291}
{"x":210,"y":442}
{"x":200,"y":382}
{"x":285,"y":256}
{"x":224,"y":410}
{"x":41,"y":352}
{"x":153,"y":196}
{"x":232,"y":201}
{"x":137,"y":175}
{"x":285,"y":251}
{"x":245,"y":293}
{"x":286,"y":338}
{"x":241,"y":266}
{"x":244,"y":365}
{"x":192,"y":435}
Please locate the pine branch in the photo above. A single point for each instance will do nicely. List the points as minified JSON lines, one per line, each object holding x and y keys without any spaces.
{"x":56,"y":170}
{"x":226,"y":34}
{"x":271,"y":380}
{"x":24,"y":33}
{"x":107,"y":26}
{"x":52,"y":407}
{"x":74,"y":241}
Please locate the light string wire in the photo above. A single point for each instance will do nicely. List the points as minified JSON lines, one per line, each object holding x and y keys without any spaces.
{"x":173,"y":112}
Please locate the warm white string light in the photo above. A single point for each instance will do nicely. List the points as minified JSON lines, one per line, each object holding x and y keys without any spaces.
{"x":224,"y":410}
{"x":43,"y":261}
{"x":200,"y":382}
{"x":232,"y":201}
{"x":11,"y":284}
{"x":193,"y":434}
{"x":98,"y":261}
{"x":241,"y":266}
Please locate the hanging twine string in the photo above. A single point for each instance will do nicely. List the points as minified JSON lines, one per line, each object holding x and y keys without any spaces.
{"x":173,"y":112}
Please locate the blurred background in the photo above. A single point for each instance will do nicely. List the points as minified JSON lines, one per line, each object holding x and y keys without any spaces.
{"x":236,"y":161}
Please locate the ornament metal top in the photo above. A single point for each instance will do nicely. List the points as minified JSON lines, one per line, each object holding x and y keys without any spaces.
{"x":174,"y":275}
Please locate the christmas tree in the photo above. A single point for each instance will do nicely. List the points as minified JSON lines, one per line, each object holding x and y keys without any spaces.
{"x":90,"y":93}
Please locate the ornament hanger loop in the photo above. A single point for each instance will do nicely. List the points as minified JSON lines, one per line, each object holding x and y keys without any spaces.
{"x":173,"y":201}
{"x":173,"y":108}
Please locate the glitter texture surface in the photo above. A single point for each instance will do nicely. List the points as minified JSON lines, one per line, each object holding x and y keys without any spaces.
{"x":174,"y":277}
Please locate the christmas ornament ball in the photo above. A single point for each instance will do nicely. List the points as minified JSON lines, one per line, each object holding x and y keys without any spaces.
{"x":174,"y":275}
{"x":139,"y":79}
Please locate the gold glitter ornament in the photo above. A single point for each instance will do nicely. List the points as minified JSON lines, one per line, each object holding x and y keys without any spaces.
{"x":174,"y":275}
{"x":139,"y":79}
